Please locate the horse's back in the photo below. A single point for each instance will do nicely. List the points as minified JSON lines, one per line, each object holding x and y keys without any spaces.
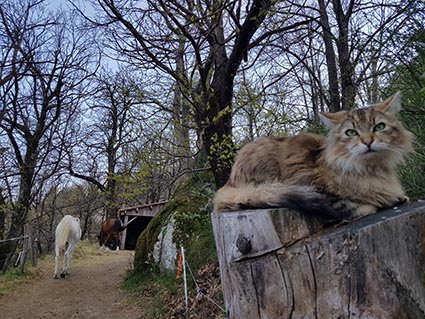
{"x":76,"y":229}
{"x":68,"y":229}
{"x":108,"y":226}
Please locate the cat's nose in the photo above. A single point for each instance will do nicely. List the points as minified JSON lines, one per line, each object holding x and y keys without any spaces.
{"x":368,"y":142}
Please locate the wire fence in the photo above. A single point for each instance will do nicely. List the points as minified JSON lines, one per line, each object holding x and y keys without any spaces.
{"x":201,"y":292}
{"x":15,"y":252}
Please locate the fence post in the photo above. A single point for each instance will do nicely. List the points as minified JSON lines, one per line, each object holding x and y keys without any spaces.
{"x":32,"y":251}
{"x":23,"y":255}
{"x":35,"y":252}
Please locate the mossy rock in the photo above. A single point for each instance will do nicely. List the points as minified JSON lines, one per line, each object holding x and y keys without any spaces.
{"x":190,"y":207}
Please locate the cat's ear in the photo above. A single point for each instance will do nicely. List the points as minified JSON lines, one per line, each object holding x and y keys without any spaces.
{"x":392,"y":104}
{"x":330,"y":119}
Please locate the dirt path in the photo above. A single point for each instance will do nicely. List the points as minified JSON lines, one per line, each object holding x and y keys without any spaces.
{"x":91,"y":291}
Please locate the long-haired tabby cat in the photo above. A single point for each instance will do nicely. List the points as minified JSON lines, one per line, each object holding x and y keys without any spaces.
{"x":350,"y":173}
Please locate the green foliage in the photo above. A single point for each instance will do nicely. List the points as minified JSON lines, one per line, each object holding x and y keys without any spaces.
{"x":411,"y":174}
{"x":194,"y":233}
{"x":190,"y":206}
{"x":154,"y":289}
{"x":222,"y":150}
{"x":12,"y":279}
{"x":136,"y":281}
{"x":409,"y":78}
{"x":317,"y":128}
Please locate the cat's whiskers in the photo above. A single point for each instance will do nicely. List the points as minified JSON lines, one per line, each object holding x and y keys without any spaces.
{"x":395,"y":156}
{"x":359,"y":149}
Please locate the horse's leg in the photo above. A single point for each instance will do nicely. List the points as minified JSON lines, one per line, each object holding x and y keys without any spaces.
{"x":118,"y":242}
{"x":108,"y":238}
{"x":65,"y":262}
{"x":55,"y":275}
{"x":71,"y":251}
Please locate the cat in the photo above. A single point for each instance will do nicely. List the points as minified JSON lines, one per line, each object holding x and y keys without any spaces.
{"x":348,"y":174}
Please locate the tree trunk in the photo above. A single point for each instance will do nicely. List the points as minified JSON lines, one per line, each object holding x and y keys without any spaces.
{"x":334,"y":100}
{"x":217,"y":135}
{"x":22,"y":205}
{"x":284,"y":264}
{"x":2,"y":214}
{"x":346,"y":68}
{"x":181,"y":112}
{"x":217,"y":113}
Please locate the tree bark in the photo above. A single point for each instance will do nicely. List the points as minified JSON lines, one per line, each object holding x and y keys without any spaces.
{"x":348,"y":87}
{"x":181,"y":112}
{"x":217,"y":114}
{"x":284,"y":264}
{"x":334,"y":100}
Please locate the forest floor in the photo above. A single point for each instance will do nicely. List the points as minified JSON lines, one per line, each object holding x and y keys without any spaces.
{"x":92,"y":290}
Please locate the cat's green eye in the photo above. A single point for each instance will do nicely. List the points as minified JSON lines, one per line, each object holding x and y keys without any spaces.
{"x":379,"y":127}
{"x":351,"y":133}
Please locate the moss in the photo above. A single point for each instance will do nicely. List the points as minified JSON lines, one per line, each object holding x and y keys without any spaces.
{"x":12,"y":279}
{"x":143,"y":259}
{"x":191,"y":208}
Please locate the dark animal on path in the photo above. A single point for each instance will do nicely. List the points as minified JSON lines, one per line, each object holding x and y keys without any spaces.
{"x":110,"y":230}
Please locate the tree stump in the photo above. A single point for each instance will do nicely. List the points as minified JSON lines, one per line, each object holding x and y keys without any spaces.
{"x":277,"y":263}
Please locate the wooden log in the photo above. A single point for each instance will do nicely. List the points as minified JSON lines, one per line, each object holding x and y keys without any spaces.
{"x":278,"y":263}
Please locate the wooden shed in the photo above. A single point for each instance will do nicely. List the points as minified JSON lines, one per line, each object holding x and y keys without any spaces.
{"x":278,"y":263}
{"x":136,"y":219}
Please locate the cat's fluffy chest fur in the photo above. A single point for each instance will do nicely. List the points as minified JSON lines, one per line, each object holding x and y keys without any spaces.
{"x":351,"y":172}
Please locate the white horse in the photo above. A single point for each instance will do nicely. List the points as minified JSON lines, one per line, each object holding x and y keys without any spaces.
{"x":67,"y":235}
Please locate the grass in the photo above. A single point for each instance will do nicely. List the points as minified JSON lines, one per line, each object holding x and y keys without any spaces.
{"x":12,"y":279}
{"x":153,"y":291}
{"x":161,"y":295}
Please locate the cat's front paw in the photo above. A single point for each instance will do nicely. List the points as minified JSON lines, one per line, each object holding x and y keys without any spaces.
{"x":363,"y":210}
{"x":403,"y":199}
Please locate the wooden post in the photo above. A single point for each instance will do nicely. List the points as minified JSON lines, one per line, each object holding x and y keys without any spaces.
{"x":23,"y":257}
{"x":32,"y":250}
{"x":124,"y":233}
{"x":278,"y":263}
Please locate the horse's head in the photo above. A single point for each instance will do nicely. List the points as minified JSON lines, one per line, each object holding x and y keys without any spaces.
{"x":101,"y":237}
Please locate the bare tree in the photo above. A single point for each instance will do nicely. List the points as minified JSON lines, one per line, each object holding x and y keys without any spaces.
{"x":344,"y":55}
{"x":115,"y":124}
{"x":218,"y":37}
{"x":360,"y":33}
{"x":40,"y":98}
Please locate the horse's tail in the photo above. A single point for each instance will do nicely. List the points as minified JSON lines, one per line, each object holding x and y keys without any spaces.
{"x":62,"y":231}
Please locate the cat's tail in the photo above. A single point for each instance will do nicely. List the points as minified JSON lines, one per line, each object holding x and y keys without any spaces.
{"x":274,"y":195}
